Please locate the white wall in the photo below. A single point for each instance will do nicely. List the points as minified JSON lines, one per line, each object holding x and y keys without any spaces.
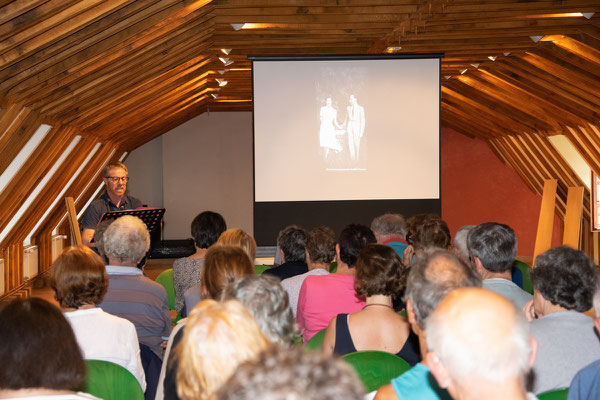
{"x":207,"y":165}
{"x":145,"y":168}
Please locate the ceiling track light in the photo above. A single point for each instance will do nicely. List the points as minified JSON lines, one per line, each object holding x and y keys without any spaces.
{"x":536,"y":38}
{"x":475,"y":65}
{"x":237,"y":27}
{"x":214,"y":95}
{"x":588,"y":15}
{"x":221,"y":82}
{"x":222,"y":71}
{"x":506,"y":54}
{"x":493,"y":58}
{"x":226,"y":51}
{"x":462,"y":71}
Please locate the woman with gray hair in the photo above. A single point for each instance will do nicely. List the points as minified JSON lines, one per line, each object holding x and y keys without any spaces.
{"x":268,"y":303}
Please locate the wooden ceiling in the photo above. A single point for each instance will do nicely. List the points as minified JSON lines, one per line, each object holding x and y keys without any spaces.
{"x":123,"y":72}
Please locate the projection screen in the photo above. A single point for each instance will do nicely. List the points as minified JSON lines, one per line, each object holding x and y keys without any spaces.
{"x":343,"y":139}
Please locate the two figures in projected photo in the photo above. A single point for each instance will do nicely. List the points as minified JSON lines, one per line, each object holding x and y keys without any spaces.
{"x":332,"y":133}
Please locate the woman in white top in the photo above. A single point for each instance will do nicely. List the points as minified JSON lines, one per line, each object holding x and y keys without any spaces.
{"x":39,"y":353}
{"x":79,"y":280}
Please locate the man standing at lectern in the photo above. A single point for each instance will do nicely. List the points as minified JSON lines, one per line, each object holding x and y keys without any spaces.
{"x":113,"y":199}
{"x":355,"y":127}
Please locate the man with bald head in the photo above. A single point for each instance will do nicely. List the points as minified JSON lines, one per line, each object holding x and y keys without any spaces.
{"x":480,"y":346}
{"x":433,"y":276}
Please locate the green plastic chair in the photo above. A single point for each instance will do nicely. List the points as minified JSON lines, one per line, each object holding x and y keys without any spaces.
{"x":526,"y":271}
{"x":166,"y":280}
{"x":333,"y":267}
{"x":404,"y":313}
{"x":110,"y":381}
{"x":376,"y":368}
{"x":556,"y":394}
{"x":315,"y":342}
{"x":259,"y":269}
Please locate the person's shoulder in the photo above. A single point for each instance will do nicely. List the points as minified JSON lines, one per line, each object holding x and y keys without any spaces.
{"x":134,"y":201}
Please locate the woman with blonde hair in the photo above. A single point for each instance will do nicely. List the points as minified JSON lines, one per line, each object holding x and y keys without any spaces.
{"x":216,"y":339}
{"x":238,"y":237}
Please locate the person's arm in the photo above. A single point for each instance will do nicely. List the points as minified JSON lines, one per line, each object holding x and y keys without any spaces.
{"x":300,"y":311}
{"x":329,"y":339}
{"x":134,"y":362}
{"x":86,"y":237}
{"x":386,"y":393}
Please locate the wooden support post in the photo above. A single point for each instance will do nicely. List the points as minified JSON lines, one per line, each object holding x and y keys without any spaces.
{"x":73,"y":224}
{"x":543,"y":238}
{"x":573,"y":217}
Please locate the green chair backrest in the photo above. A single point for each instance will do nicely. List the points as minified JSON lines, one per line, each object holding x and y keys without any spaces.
{"x":110,"y":381}
{"x":404,"y":313}
{"x":261,"y":268}
{"x":315,"y":342}
{"x":166,"y":279}
{"x":333,"y":267}
{"x":526,"y":271}
{"x":556,"y":394}
{"x":376,"y":368}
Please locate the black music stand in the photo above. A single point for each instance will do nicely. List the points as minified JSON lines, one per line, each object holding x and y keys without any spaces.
{"x":150,"y":216}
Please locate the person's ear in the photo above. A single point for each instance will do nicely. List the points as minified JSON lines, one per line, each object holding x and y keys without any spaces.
{"x":337,"y":253}
{"x":410,"y":312}
{"x":533,"y":353}
{"x":597,"y":324}
{"x":478,"y":265}
{"x":307,"y":256}
{"x":438,"y":370}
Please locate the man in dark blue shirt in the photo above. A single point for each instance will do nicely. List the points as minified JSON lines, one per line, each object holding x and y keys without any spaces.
{"x":113,"y":199}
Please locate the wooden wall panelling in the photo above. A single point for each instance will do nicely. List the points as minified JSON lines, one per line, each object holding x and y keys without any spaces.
{"x":543,"y":238}
{"x":32,"y":172}
{"x":89,"y":173}
{"x":53,"y":187}
{"x":16,"y":136}
{"x":572,"y":226}
{"x":11,"y":118}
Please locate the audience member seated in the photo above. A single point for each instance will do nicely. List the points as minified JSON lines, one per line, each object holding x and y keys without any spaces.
{"x":237,"y":237}
{"x":79,"y":281}
{"x":39,"y":353}
{"x":425,"y":231}
{"x":268,"y":303}
{"x":459,"y":245}
{"x":586,"y":384}
{"x":130,"y":294}
{"x":379,"y":276}
{"x":320,"y":253}
{"x":281,"y":374}
{"x":217,"y":338}
{"x":436,"y":274}
{"x":564,"y":283}
{"x":223,"y":265}
{"x":390,"y":229}
{"x":480,"y":346}
{"x":323,"y":297}
{"x":206,"y":229}
{"x":292,"y":244}
{"x":493,"y":248}
{"x":99,"y":238}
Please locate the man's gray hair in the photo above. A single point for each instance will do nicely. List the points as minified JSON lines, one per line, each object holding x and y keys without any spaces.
{"x":281,"y":374}
{"x":434,"y":275}
{"x":268,"y":303}
{"x":389,"y":224}
{"x":127,"y":240}
{"x":495,"y":245}
{"x":460,"y":241}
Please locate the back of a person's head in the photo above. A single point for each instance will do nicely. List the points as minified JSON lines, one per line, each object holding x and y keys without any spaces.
{"x":268,"y":303}
{"x":39,"y":349}
{"x":432,"y":277}
{"x":78,"y":277}
{"x":459,"y":243}
{"x":414,"y":221}
{"x":379,"y":271}
{"x":206,"y":228}
{"x":281,"y":374}
{"x":99,"y":235}
{"x":238,"y":237}
{"x":432,"y":232}
{"x":389,"y":224}
{"x":495,"y":245}
{"x":126,"y":240}
{"x":352,"y":240}
{"x":566,"y":277}
{"x":479,"y":337}
{"x":320,"y":244}
{"x":292,"y":242}
{"x":222,"y":266}
{"x":217,"y":337}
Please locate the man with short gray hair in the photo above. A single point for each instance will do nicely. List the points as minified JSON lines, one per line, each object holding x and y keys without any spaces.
{"x":480,"y":346}
{"x":130,"y":294}
{"x":390,"y":229}
{"x":433,"y":276}
{"x":493,"y":249}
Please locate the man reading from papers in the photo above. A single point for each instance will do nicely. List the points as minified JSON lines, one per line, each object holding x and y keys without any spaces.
{"x":113,"y":199}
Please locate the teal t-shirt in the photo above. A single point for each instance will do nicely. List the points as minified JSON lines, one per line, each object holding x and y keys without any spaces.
{"x":418,"y":383}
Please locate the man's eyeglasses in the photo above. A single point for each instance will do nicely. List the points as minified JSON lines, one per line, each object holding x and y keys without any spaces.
{"x":116,"y":179}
